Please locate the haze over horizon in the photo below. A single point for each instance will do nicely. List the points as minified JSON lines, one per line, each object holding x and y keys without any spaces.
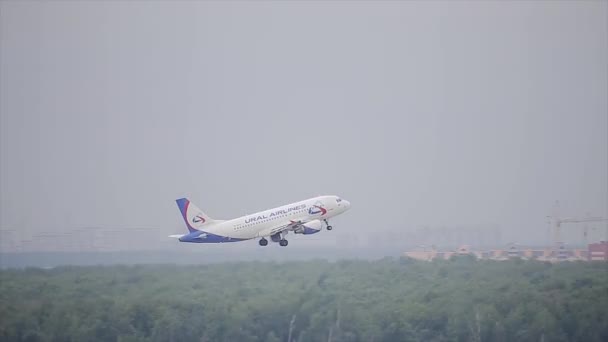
{"x":440,"y":114}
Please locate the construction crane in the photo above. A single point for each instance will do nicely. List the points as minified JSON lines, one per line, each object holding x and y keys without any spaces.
{"x":557,"y":226}
{"x":556,"y":222}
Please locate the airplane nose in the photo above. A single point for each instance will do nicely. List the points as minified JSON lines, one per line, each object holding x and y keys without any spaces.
{"x":346,"y":204}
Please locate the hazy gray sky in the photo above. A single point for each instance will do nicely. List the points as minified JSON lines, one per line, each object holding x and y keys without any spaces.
{"x":436,"y":113}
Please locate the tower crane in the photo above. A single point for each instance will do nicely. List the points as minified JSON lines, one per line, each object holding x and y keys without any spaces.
{"x":557,"y":226}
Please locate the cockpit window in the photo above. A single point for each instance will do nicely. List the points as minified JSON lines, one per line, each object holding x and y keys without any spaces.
{"x":338,"y":200}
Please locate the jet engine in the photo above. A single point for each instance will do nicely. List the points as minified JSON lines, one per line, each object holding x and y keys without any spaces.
{"x":308,"y":228}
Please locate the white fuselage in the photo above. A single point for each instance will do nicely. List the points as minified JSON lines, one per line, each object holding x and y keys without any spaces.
{"x":269,"y":222}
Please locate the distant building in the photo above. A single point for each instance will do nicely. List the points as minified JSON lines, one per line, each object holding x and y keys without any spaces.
{"x":580,"y":254}
{"x":562,"y":253}
{"x":598,"y":251}
{"x":464,"y":250}
{"x":513,"y":251}
{"x":422,"y":255}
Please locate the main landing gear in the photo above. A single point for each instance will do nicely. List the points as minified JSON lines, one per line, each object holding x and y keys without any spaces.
{"x":282,"y":242}
{"x":328,"y":226}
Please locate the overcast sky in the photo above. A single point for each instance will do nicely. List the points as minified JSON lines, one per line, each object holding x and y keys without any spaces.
{"x":419,"y":113}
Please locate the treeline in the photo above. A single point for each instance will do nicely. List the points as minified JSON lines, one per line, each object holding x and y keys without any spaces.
{"x":386,"y":300}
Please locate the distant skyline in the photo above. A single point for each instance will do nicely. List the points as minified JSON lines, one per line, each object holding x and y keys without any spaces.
{"x":440,"y":114}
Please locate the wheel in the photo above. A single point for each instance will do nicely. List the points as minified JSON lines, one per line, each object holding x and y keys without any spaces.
{"x":263,"y":242}
{"x":330,"y":227}
{"x":283,"y":242}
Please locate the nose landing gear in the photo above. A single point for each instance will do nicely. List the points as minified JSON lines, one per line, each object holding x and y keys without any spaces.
{"x":263,"y":242}
{"x":328,"y":226}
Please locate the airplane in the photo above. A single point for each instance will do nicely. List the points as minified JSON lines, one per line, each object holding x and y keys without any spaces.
{"x":304,"y":217}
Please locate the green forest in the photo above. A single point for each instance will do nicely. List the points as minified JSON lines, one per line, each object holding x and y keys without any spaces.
{"x":461,"y":299}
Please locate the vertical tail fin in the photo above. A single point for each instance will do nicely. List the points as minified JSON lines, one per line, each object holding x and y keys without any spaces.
{"x":194,"y":217}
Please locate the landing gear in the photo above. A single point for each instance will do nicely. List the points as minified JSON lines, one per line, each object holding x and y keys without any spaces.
{"x":328,"y":226}
{"x":283,"y":243}
{"x":263,"y":242}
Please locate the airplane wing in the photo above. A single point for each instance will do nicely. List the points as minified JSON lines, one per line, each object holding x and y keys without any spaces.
{"x":281,"y":228}
{"x":290,"y":226}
